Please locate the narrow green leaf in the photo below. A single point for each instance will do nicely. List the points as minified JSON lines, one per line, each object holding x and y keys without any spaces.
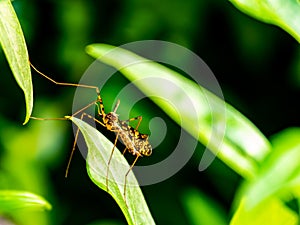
{"x":280,"y":174}
{"x":282,"y":13}
{"x":287,"y":145}
{"x":14,"y":200}
{"x":271,"y":211}
{"x":99,"y":149}
{"x":14,"y":46}
{"x":242,"y":146}
{"x":202,"y":210}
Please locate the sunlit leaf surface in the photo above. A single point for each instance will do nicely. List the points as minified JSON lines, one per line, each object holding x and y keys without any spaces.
{"x":14,"y":47}
{"x":16,"y":200}
{"x":282,"y":13}
{"x":271,"y":211}
{"x":280,"y":174}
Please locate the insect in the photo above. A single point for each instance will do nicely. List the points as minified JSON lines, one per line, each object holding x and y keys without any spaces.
{"x":140,"y":143}
{"x":135,"y":142}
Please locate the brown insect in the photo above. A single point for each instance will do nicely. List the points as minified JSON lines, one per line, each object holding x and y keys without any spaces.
{"x":135,"y":142}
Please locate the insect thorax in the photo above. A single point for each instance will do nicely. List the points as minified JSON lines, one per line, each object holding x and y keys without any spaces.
{"x":111,"y":120}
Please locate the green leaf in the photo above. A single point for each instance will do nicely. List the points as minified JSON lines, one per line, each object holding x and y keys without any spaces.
{"x":14,"y":47}
{"x":135,"y":208}
{"x":280,"y":174}
{"x":202,"y":210}
{"x":286,"y":146}
{"x":242,"y":146}
{"x":282,"y":13}
{"x":15,"y":200}
{"x":271,"y":211}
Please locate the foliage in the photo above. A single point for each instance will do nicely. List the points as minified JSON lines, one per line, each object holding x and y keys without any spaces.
{"x":134,"y":206}
{"x":231,"y":151}
{"x":15,"y":200}
{"x":13,"y":44}
{"x":269,"y":168}
{"x":281,"y":13}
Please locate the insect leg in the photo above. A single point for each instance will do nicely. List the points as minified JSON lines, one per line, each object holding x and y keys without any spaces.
{"x":73,"y":148}
{"x":76,"y":138}
{"x":139,"y":118}
{"x":64,"y":84}
{"x":132,"y":165}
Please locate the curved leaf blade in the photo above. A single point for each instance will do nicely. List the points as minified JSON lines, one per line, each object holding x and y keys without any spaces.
{"x":14,"y":46}
{"x":11,"y":200}
{"x":271,"y":211}
{"x":243,"y":146}
{"x":279,"y":176}
{"x":135,"y":208}
{"x":282,"y":13}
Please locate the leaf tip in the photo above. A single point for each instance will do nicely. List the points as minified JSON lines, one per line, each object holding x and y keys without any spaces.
{"x":26,"y":120}
{"x":89,"y":48}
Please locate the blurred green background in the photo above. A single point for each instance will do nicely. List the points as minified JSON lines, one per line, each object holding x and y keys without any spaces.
{"x":257,"y":66}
